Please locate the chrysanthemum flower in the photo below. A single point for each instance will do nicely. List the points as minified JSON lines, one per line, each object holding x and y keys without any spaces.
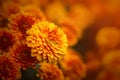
{"x":34,"y":11}
{"x":81,"y":15}
{"x":53,"y":8}
{"x":72,"y":38}
{"x":21,"y":22}
{"x":98,"y":7}
{"x":10,"y":7}
{"x":9,"y":70}
{"x":111,"y":62}
{"x":107,"y":38}
{"x":93,"y":63}
{"x":47,"y":41}
{"x":50,"y":72}
{"x":73,"y":66}
{"x":72,"y":31}
{"x":7,"y":40}
{"x":22,"y":54}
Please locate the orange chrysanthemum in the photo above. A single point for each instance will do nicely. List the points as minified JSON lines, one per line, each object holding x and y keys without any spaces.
{"x":73,"y":66}
{"x":22,"y":55}
{"x":108,"y":37}
{"x":9,"y":70}
{"x":72,"y":38}
{"x":47,"y":41}
{"x":53,"y":8}
{"x":32,"y":10}
{"x":21,"y":22}
{"x":10,"y":7}
{"x":72,"y":31}
{"x":50,"y":72}
{"x":111,"y":62}
{"x":81,"y":16}
{"x":7,"y":40}
{"x":92,"y":60}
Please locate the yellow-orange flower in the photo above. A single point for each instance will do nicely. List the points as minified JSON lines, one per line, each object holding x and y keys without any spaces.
{"x":47,"y":41}
{"x":9,"y":70}
{"x":50,"y":72}
{"x":22,"y":54}
{"x":73,"y":66}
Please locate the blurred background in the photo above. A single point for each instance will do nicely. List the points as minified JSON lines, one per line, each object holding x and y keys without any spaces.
{"x":92,"y":28}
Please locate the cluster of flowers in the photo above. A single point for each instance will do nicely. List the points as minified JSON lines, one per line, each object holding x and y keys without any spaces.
{"x":60,"y":39}
{"x":38,"y":38}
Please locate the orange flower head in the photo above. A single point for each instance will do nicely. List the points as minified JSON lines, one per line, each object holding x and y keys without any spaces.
{"x":47,"y":41}
{"x":32,"y":10}
{"x":72,"y":31}
{"x":22,"y":54}
{"x":10,"y":7}
{"x":9,"y":70}
{"x":81,"y":16}
{"x":111,"y":62}
{"x":53,"y":8}
{"x":72,"y":38}
{"x":73,"y":66}
{"x":50,"y":72}
{"x":92,"y":60}
{"x":7,"y":40}
{"x":21,"y":22}
{"x":108,"y":37}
